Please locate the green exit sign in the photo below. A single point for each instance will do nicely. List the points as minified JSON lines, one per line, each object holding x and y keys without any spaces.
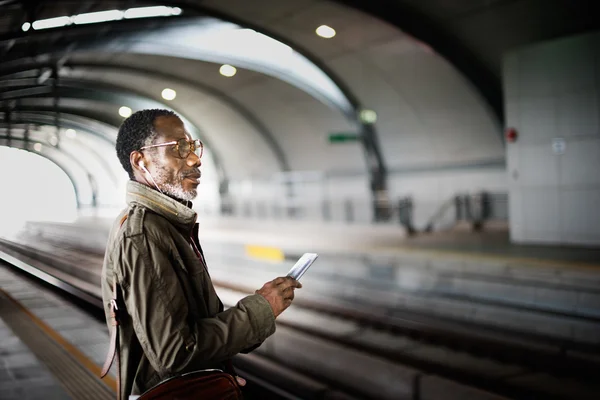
{"x":343,"y":137}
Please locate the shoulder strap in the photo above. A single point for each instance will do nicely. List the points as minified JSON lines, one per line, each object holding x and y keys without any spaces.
{"x":113,"y":349}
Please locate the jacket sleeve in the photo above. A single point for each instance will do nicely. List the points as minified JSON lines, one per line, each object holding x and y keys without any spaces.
{"x":155,"y":301}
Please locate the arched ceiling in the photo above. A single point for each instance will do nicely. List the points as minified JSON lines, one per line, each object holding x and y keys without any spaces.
{"x":429,"y":69}
{"x":472,"y":35}
{"x":79,"y":96}
{"x":97,"y":142}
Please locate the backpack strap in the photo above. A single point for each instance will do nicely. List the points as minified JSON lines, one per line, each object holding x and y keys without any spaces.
{"x":113,"y":349}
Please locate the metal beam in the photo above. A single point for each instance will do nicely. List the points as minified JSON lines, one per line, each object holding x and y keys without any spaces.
{"x":252,"y":119}
{"x":101,"y":160}
{"x":59,"y":43}
{"x":377,"y":174}
{"x":89,"y":114}
{"x":4,"y":3}
{"x":113,"y":95}
{"x":71,"y":120}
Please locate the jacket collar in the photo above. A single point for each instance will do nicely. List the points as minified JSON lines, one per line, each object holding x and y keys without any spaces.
{"x":176,"y":212}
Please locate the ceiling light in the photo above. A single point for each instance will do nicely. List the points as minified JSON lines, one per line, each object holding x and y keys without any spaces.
{"x":368,"y":116}
{"x":53,"y":140}
{"x":71,"y":133}
{"x":37,"y":147}
{"x":168,"y":94}
{"x":325,"y":31}
{"x":103,"y":16}
{"x":227,"y":70}
{"x":124,"y":111}
{"x":146,"y":12}
{"x":51,"y":23}
{"x":95,"y":17}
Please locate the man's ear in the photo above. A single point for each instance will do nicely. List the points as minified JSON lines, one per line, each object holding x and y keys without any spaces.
{"x":137,"y":160}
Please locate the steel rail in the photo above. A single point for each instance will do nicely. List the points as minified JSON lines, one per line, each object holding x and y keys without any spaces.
{"x":549,"y":356}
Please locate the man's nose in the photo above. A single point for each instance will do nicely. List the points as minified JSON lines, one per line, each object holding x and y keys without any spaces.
{"x":193,"y":160}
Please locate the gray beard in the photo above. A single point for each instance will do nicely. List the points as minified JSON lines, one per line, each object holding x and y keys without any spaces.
{"x":178,"y":191}
{"x":174,"y":189}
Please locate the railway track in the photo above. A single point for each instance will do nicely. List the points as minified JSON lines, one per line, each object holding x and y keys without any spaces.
{"x":503,"y":362}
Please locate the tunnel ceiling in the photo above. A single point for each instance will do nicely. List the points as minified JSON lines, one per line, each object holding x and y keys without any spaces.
{"x":430,"y":69}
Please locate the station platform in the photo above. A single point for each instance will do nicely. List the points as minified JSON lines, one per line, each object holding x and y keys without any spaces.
{"x":296,"y":237}
{"x":461,"y":241}
{"x":50,"y":349}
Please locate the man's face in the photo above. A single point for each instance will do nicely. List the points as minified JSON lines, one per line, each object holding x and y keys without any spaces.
{"x":175,"y":176}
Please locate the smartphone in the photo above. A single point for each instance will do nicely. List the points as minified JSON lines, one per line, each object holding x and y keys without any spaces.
{"x":302,"y":265}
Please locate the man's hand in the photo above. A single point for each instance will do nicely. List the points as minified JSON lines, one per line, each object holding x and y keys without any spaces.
{"x":279,"y":293}
{"x":240,"y":381}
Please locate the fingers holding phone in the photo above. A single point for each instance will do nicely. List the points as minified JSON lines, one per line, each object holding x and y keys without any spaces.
{"x":279,"y":293}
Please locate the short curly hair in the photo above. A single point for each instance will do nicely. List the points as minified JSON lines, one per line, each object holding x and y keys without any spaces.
{"x":136,"y":132}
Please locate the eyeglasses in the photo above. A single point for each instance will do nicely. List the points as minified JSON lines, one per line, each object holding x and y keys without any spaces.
{"x":183,"y":146}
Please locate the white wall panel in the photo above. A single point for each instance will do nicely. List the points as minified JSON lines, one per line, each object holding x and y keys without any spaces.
{"x":581,"y":217}
{"x":539,"y":166}
{"x":581,"y":163}
{"x":573,"y":66}
{"x":578,"y":113}
{"x":554,"y":91}
{"x":538,"y":121}
{"x":535,"y":74}
{"x":541,"y":211}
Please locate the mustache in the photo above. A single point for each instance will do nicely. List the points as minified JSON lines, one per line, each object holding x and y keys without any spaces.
{"x":195,"y":171}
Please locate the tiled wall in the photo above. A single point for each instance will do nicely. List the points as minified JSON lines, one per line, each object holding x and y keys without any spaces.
{"x":552,"y":91}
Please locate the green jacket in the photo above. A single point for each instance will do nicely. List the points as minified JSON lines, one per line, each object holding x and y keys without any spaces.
{"x":172,"y":320}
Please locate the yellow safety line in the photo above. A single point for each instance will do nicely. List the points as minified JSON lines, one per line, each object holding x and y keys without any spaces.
{"x":276,"y":254}
{"x":65,"y":344}
{"x":264,"y":252}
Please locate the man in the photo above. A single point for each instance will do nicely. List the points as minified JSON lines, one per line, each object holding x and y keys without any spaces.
{"x":171,"y":320}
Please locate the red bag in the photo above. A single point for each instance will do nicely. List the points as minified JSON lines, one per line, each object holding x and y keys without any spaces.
{"x":210,"y":384}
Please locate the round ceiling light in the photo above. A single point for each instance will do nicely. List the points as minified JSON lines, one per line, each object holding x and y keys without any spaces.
{"x":325,"y":31}
{"x":37,"y":147}
{"x":227,"y":70}
{"x":26,"y":26}
{"x":124,"y":111}
{"x":168,"y":94}
{"x":368,"y":116}
{"x":71,"y":133}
